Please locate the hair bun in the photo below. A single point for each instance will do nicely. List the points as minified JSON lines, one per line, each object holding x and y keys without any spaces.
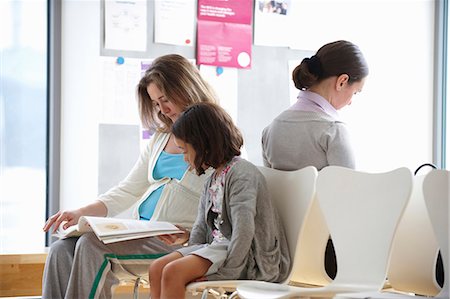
{"x":314,"y":66}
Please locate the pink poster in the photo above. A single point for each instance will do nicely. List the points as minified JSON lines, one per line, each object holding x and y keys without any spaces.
{"x":224,"y":33}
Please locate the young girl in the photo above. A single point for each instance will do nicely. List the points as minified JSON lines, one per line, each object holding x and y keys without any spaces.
{"x":237,"y":233}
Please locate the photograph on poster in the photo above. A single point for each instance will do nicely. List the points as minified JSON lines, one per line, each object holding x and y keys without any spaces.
{"x":273,"y":6}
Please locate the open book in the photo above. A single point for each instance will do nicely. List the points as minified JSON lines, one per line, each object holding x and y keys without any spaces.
{"x":110,"y":230}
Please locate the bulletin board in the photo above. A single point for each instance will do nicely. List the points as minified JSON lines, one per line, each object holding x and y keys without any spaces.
{"x":262,"y":91}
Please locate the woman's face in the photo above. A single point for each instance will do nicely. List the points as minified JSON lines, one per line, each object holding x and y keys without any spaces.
{"x":187,"y":150}
{"x":168,"y":108}
{"x":346,"y":93}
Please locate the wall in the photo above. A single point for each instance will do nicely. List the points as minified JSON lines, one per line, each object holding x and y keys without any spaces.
{"x":262,"y":94}
{"x":79,"y":101}
{"x":390,"y":122}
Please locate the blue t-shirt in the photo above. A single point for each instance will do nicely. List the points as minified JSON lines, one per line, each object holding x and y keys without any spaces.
{"x":167,"y":165}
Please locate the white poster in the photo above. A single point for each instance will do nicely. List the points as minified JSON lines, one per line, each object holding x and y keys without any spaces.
{"x":119,"y":82}
{"x":272,"y":20}
{"x":224,"y":81}
{"x":126,"y":25}
{"x":175,"y":22}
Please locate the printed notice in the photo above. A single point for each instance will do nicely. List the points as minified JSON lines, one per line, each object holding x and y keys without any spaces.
{"x":126,"y":25}
{"x":272,"y":20}
{"x":174,"y":22}
{"x":119,"y":81}
{"x":225,"y":83}
{"x":224,"y":33}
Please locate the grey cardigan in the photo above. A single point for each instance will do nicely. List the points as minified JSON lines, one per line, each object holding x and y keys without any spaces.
{"x":296,"y":139}
{"x":258,"y":248}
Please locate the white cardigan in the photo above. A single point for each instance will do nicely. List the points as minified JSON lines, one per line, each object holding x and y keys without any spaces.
{"x":179,"y":200}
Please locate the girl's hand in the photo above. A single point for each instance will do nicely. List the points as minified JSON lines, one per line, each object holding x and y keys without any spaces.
{"x":176,"y":239}
{"x":200,"y":279}
{"x":70,"y":217}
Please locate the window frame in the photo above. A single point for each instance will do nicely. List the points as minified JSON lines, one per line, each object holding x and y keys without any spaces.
{"x":54,"y":111}
{"x":440,"y":85}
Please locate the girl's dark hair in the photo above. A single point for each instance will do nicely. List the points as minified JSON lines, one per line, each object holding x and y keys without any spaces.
{"x":333,"y":59}
{"x":211,"y":132}
{"x":180,"y":82}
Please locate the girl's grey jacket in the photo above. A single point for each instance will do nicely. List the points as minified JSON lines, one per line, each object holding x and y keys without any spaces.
{"x":258,"y":247}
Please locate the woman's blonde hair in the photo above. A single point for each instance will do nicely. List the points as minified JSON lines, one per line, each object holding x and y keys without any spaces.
{"x":180,"y":82}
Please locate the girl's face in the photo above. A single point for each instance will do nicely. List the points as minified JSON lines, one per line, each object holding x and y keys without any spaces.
{"x":187,"y":150}
{"x":168,"y":108}
{"x":346,"y":93}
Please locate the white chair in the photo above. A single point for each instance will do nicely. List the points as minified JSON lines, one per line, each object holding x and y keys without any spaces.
{"x":292,"y":193}
{"x":309,"y":269}
{"x":437,"y":196}
{"x":412,"y":266}
{"x":362,"y":211}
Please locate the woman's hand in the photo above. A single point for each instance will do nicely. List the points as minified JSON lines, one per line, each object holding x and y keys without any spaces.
{"x":70,"y":217}
{"x":96,"y":208}
{"x":176,"y":239}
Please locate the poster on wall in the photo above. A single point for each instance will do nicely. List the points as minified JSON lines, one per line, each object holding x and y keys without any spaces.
{"x":224,"y":33}
{"x":272,"y":20}
{"x":224,"y":80}
{"x":175,"y":22}
{"x":126,"y":25}
{"x":119,"y":80}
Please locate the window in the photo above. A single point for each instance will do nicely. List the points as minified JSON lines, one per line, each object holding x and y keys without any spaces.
{"x":23,"y":123}
{"x":391,"y":121}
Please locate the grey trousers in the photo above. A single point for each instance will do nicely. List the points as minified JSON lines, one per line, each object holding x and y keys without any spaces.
{"x":84,"y":267}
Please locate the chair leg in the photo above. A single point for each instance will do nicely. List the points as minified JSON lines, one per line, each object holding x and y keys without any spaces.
{"x":136,"y":288}
{"x":205,"y":294}
{"x":218,"y":294}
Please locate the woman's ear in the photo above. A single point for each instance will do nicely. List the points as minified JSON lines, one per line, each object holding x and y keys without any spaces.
{"x":341,"y":80}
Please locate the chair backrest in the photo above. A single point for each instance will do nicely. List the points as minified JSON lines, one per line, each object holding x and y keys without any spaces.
{"x":436,"y":193}
{"x":292,"y":193}
{"x":412,"y":266}
{"x":310,"y":254}
{"x":362,"y":211}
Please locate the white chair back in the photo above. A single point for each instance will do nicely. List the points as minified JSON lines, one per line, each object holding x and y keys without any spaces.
{"x":309,"y":267}
{"x":362,"y":211}
{"x":292,"y":193}
{"x":437,"y":196}
{"x":412,"y":267}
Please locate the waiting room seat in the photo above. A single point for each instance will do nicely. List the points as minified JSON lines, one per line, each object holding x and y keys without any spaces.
{"x":309,"y":268}
{"x":412,"y":267}
{"x":362,"y":211}
{"x":437,"y":197}
{"x":292,"y":193}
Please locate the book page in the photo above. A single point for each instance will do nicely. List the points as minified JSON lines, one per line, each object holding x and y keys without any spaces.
{"x":74,"y":230}
{"x":109,"y":230}
{"x":104,"y":227}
